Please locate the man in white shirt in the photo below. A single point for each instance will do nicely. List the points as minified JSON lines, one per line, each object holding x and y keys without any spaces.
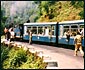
{"x":12,"y":35}
{"x":82,"y":32}
{"x":46,"y":31}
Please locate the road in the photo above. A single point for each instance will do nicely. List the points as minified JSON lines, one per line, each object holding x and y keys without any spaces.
{"x":63,"y":57}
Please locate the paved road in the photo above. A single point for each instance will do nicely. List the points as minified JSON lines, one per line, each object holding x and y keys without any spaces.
{"x":64,"y":57}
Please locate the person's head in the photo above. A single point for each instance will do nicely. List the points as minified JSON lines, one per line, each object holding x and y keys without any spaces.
{"x":29,"y":30}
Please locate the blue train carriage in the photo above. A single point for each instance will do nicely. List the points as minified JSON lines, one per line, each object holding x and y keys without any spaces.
{"x":43,"y":32}
{"x":18,"y":29}
{"x":72,"y":26}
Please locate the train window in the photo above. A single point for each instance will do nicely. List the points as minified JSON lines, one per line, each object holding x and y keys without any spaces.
{"x":81,"y":27}
{"x":74,"y":26}
{"x":50,"y":30}
{"x":46,"y":30}
{"x":53,"y":30}
{"x":61,"y":30}
{"x":28,"y":28}
{"x":74,"y":29}
{"x":66,"y":28}
{"x":40,"y":30}
{"x":82,"y":30}
{"x":53,"y":27}
{"x":34,"y":30}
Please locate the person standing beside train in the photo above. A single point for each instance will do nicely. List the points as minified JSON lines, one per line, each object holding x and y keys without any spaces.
{"x":5,"y":31}
{"x":8,"y":35}
{"x":12,"y":35}
{"x":78,"y":44}
{"x":30,"y":36}
{"x":68,"y":36}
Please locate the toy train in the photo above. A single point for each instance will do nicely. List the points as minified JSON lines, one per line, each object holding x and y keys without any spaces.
{"x":51,"y":32}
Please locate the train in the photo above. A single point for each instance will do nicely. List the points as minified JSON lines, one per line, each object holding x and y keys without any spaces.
{"x":50,"y":32}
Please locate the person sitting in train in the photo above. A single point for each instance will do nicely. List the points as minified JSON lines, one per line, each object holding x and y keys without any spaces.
{"x":65,"y":33}
{"x":46,"y":31}
{"x":82,"y":32}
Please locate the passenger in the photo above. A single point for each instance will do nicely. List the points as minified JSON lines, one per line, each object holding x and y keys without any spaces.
{"x":47,"y":31}
{"x":78,"y":44}
{"x":12,"y":35}
{"x":65,"y":33}
{"x":50,"y":35}
{"x":82,"y":32}
{"x":30,"y":36}
{"x":68,"y":37}
{"x":8,"y":35}
{"x":5,"y":31}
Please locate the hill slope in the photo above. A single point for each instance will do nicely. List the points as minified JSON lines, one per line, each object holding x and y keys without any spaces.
{"x":61,"y":11}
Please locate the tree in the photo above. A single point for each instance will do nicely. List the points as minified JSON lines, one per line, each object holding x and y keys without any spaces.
{"x":82,"y":14}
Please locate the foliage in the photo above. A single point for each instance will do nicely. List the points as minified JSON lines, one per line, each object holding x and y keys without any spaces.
{"x":4,"y":53}
{"x":78,"y":4}
{"x":60,"y":10}
{"x":18,"y":58}
{"x":3,"y":20}
{"x":82,"y":14}
{"x":21,"y":59}
{"x":34,"y":62}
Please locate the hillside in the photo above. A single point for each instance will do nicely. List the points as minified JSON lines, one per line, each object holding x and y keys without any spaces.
{"x":60,"y":11}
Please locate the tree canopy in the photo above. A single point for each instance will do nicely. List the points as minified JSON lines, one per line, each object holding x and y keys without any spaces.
{"x":60,"y":10}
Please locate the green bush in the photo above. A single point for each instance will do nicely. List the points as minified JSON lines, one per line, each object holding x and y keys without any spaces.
{"x":4,"y":53}
{"x":21,"y":59}
{"x":18,"y":58}
{"x":34,"y":62}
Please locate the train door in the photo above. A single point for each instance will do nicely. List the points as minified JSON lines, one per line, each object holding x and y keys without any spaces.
{"x":57,"y":32}
{"x":21,"y":30}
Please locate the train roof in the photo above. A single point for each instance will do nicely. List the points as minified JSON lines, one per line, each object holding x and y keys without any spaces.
{"x":63,"y":22}
{"x":39,"y":23}
{"x":73,"y":21}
